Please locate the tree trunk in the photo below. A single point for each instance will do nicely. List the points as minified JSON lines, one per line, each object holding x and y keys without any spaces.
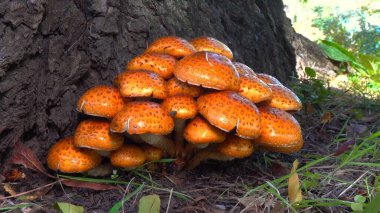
{"x":51,"y":51}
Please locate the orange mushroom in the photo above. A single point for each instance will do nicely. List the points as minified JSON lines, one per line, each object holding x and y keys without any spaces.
{"x":268,"y":79}
{"x":280,"y":131}
{"x":96,"y":135}
{"x":162,"y":64}
{"x":64,"y":156}
{"x":128,"y":156}
{"x":228,"y":110}
{"x":210,"y":44}
{"x":209,"y":70}
{"x":102,"y":101}
{"x":283,"y":98}
{"x":176,"y":87}
{"x":141,"y":83}
{"x":172,"y":45}
{"x":149,"y":121}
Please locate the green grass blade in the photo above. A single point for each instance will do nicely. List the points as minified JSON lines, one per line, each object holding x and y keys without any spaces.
{"x":115,"y":208}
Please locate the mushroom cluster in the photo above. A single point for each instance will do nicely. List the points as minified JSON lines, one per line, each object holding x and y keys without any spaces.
{"x":186,"y":100}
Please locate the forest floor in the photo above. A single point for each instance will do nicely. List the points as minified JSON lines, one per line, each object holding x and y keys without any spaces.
{"x":339,"y":170}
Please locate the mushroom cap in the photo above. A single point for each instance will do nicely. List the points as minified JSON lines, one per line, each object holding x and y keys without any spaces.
{"x":236,"y":147}
{"x":280,"y":131}
{"x":140,"y":117}
{"x":172,"y":45}
{"x":268,"y":79}
{"x":227,"y":110}
{"x":199,"y":131}
{"x":141,"y":83}
{"x":210,"y":44}
{"x":66,"y":157}
{"x":283,"y":98}
{"x":181,"y":106}
{"x":243,"y":69}
{"x":162,"y":64}
{"x":152,"y":153}
{"x":177,"y":87}
{"x":96,"y":135}
{"x":127,"y":156}
{"x":102,"y":101}
{"x":208,"y":70}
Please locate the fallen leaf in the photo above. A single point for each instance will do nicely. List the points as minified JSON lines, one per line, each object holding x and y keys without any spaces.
{"x":13,"y":175}
{"x":68,"y":208}
{"x":251,"y":203}
{"x":8,"y":188}
{"x":88,"y":185}
{"x":150,"y":204}
{"x":22,"y":155}
{"x":37,"y":195}
{"x":294,"y":189}
{"x":345,"y":147}
{"x":326,"y":117}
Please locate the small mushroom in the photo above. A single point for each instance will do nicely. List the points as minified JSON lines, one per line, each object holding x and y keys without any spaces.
{"x":233,"y":147}
{"x":162,"y":64}
{"x":210,"y":44}
{"x":149,"y":121}
{"x":172,"y":45}
{"x":268,"y":79}
{"x":228,"y":110}
{"x":128,"y":156}
{"x":64,"y":156}
{"x":96,"y":135}
{"x":177,"y":87}
{"x":209,"y":70}
{"x":280,"y":131}
{"x":181,"y":108}
{"x":283,"y":98}
{"x":102,"y":101}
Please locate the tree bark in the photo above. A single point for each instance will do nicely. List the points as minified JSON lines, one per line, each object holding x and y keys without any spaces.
{"x":51,"y":51}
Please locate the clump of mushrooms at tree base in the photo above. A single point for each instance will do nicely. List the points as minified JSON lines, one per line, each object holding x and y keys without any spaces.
{"x":181,"y":99}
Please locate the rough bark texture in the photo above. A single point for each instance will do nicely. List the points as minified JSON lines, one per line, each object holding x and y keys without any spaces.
{"x":51,"y":51}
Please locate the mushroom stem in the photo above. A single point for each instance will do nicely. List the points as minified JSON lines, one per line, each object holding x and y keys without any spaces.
{"x":159,"y":141}
{"x":103,"y":153}
{"x":179,"y":126}
{"x":190,"y":148}
{"x":206,"y":155}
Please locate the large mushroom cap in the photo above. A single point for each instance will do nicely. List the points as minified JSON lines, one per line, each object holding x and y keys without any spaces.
{"x":142,"y":117}
{"x":208,"y":70}
{"x":180,"y":106}
{"x":172,"y":45}
{"x":128,"y":156}
{"x":236,"y":147}
{"x":199,"y":131}
{"x":228,"y":110}
{"x":210,"y":44}
{"x":141,"y":83}
{"x":280,"y":131}
{"x":268,"y":79}
{"x":162,"y":64}
{"x":243,"y":69}
{"x":176,"y":87}
{"x":66,"y":157}
{"x":102,"y":101}
{"x":96,"y":135}
{"x":283,"y":98}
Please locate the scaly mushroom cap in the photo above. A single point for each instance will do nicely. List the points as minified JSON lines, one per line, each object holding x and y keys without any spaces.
{"x":180,"y":106}
{"x":128,"y":156}
{"x":208,"y":70}
{"x":141,"y":83}
{"x":96,"y":135}
{"x":199,"y":131}
{"x":268,"y":79}
{"x":142,"y":117}
{"x":209,"y":44}
{"x":236,"y":147}
{"x":251,"y":86}
{"x":227,"y":110}
{"x":176,"y":87}
{"x":102,"y":101}
{"x":280,"y":131}
{"x":66,"y":157}
{"x":152,"y":153}
{"x":162,"y":64}
{"x":172,"y":45}
{"x":283,"y":98}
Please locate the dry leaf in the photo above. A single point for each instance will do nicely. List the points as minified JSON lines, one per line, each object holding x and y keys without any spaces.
{"x":88,"y":185}
{"x":326,"y":117}
{"x":345,"y":147}
{"x":36,"y":195}
{"x":294,"y":189}
{"x":8,"y":188}
{"x":13,"y":175}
